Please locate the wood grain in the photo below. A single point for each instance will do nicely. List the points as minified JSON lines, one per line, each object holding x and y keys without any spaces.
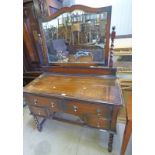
{"x":128,"y":127}
{"x":80,"y":70}
{"x":90,"y":88}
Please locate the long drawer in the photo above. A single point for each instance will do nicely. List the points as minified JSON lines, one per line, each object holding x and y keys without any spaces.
{"x":80,"y":108}
{"x":37,"y":100}
{"x":54,"y":105}
{"x":39,"y":111}
{"x":97,"y":121}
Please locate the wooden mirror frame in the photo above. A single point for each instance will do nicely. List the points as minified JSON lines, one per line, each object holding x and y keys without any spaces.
{"x":70,"y":9}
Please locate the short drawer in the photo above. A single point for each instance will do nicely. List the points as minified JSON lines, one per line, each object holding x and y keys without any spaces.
{"x":54,"y":105}
{"x":80,"y":108}
{"x":39,"y":111}
{"x":37,"y":100}
{"x":97,"y":121}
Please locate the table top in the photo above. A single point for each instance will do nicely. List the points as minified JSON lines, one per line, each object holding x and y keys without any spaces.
{"x":87,"y":88}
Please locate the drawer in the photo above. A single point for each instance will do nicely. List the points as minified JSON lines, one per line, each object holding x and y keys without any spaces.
{"x":80,"y":108}
{"x":53,"y":104}
{"x":37,"y":100}
{"x":97,"y":121}
{"x":39,"y":111}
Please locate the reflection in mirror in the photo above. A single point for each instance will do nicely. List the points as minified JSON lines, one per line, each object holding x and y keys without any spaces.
{"x":76,"y":37}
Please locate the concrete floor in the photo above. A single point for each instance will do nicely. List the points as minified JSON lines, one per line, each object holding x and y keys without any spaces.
{"x":59,"y":138}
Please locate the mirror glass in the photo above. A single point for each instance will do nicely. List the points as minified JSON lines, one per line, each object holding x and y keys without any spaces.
{"x":76,"y":37}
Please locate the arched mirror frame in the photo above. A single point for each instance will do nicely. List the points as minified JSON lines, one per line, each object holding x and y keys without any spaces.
{"x":71,"y":9}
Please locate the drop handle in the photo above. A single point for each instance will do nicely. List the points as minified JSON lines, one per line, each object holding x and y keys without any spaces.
{"x":75,"y":108}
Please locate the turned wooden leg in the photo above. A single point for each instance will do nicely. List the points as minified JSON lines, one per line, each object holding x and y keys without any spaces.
{"x":39,"y":125}
{"x":111,"y":135}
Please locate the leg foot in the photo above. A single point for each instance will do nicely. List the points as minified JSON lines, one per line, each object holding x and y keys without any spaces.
{"x":39,"y":125}
{"x":110,"y":142}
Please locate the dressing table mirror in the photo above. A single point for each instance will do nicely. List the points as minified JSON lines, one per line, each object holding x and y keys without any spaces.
{"x":77,"y":35}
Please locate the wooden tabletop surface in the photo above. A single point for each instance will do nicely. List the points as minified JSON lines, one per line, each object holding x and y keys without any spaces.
{"x":90,"y":88}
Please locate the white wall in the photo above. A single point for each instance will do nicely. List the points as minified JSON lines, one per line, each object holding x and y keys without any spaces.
{"x":122,"y":16}
{"x":121,"y":13}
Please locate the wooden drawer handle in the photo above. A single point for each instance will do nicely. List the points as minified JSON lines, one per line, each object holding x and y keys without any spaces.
{"x":75,"y":108}
{"x":52,"y":104}
{"x":35,"y":101}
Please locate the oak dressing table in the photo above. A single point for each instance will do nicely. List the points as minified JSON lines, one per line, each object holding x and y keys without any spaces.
{"x":96,"y":100}
{"x":86,"y":89}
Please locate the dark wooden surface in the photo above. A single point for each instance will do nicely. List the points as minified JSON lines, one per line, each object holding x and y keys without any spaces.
{"x":30,"y":32}
{"x":113,"y":34}
{"x":96,"y":100}
{"x":32,"y":53}
{"x":80,"y":70}
{"x":91,"y":88}
{"x":41,"y":8}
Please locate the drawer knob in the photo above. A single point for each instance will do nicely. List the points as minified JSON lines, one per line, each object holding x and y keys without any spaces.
{"x":35,"y":101}
{"x":52,"y":105}
{"x":75,"y":108}
{"x":39,"y":113}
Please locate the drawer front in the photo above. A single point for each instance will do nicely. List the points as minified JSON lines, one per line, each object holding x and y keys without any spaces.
{"x":39,"y":111}
{"x":80,"y":108}
{"x":54,"y":105}
{"x":37,"y":101}
{"x":97,"y":121}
